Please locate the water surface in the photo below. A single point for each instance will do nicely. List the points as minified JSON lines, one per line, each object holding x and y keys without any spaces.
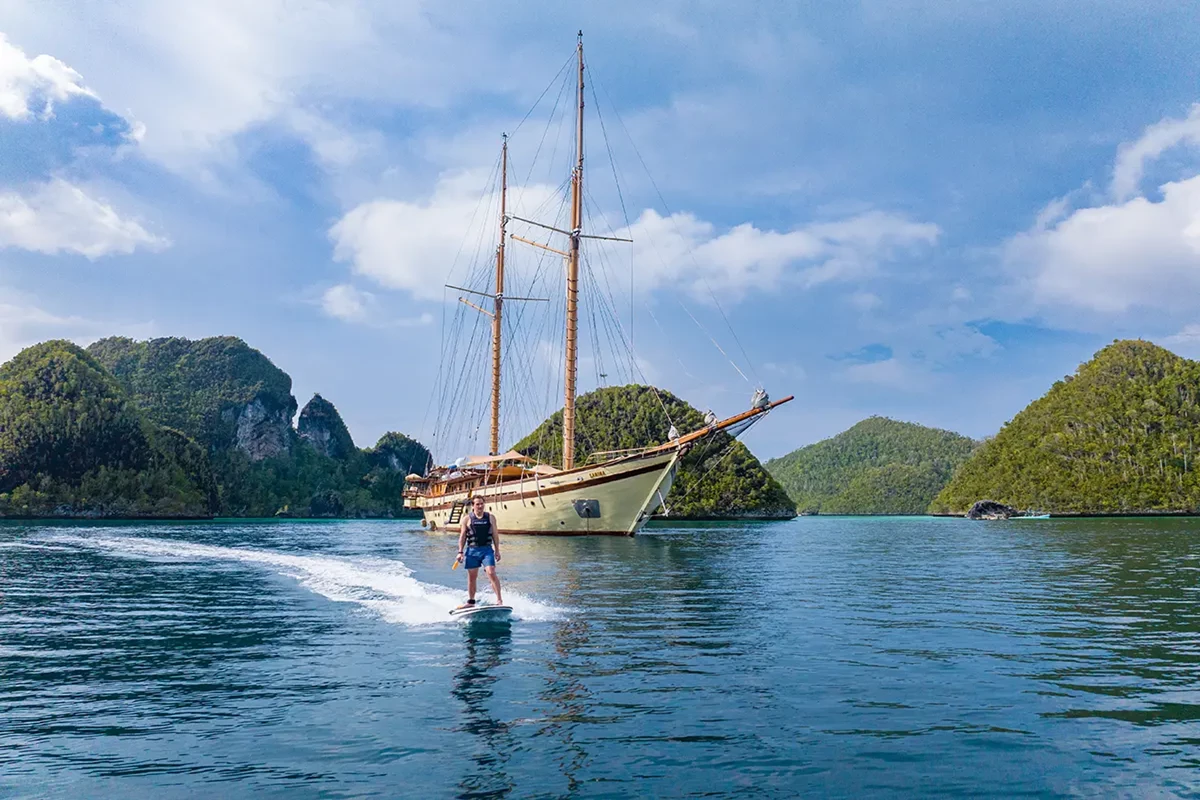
{"x":823,"y":656}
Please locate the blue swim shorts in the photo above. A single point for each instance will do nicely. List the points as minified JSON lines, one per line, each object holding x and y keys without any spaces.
{"x":476,"y":557}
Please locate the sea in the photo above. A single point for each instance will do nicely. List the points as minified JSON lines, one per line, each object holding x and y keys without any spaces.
{"x":820,"y":657}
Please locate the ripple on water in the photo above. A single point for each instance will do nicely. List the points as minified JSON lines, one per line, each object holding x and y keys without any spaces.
{"x":821,"y":656}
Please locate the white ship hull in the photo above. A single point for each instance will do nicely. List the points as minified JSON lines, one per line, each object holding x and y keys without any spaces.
{"x":615,"y":498}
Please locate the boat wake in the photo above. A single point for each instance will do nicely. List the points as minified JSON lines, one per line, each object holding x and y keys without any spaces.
{"x":383,"y":586}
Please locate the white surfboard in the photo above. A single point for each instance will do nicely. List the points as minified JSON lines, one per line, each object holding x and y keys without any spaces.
{"x":483,"y":613}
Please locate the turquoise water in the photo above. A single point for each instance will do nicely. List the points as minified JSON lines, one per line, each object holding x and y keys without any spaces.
{"x":823,"y":657}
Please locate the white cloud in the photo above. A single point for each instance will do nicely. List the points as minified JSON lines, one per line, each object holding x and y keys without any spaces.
{"x":42,"y":80}
{"x":346,"y":303}
{"x":412,"y":246}
{"x":1156,"y":140}
{"x":415,"y":246}
{"x":1114,"y":257}
{"x":684,"y":252}
{"x":59,"y":217}
{"x":201,"y":73}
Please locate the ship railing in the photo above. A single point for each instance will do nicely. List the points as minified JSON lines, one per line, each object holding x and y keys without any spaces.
{"x":608,"y":455}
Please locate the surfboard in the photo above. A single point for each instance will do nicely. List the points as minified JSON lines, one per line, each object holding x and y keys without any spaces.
{"x":483,"y":613}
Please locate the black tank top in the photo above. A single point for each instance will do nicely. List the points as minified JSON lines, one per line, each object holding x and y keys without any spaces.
{"x":479,"y":530}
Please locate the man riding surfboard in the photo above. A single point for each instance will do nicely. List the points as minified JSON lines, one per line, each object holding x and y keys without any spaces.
{"x":479,"y":546}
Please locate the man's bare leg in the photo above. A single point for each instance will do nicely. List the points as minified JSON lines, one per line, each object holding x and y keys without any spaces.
{"x":495,"y":579}
{"x":472,"y":579}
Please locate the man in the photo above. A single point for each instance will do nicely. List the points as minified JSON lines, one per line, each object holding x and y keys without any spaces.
{"x":479,"y":546}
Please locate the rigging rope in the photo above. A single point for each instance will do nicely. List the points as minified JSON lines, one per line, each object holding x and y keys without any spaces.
{"x":691,"y":254}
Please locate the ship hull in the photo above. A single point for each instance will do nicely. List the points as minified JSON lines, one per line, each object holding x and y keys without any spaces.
{"x":613,"y":499}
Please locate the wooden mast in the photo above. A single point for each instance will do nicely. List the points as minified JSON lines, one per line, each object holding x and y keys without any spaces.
{"x":498,"y":300}
{"x":573,"y":279}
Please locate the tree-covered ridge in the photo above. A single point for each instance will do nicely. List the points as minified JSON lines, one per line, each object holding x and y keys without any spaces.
{"x":77,"y":440}
{"x":1117,"y":436}
{"x":199,"y":387}
{"x":73,"y":443}
{"x":878,"y":466}
{"x":718,"y":478}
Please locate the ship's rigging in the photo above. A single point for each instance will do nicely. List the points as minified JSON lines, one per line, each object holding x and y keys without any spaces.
{"x":512,"y":309}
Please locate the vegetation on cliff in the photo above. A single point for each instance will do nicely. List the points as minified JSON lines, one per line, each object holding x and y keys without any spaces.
{"x":878,"y":466}
{"x":181,"y":428}
{"x":1117,"y":436}
{"x":72,"y":443}
{"x":203,"y":387}
{"x":719,"y":478}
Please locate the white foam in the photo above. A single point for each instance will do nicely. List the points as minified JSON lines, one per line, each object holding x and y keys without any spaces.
{"x":385,"y":586}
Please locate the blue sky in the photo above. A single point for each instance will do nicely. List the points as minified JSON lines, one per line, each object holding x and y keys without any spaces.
{"x":929,"y":210}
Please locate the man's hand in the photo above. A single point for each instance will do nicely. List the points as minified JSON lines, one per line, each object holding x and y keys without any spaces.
{"x":497,"y":554}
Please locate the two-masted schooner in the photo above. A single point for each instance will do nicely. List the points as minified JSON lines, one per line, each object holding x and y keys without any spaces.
{"x":614,"y":493}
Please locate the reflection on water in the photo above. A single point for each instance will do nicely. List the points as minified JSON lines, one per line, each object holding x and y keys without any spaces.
{"x":823,"y":656}
{"x":487,"y":649}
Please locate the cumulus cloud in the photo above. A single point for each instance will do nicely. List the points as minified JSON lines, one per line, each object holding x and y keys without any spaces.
{"x":1113,"y":257}
{"x":346,"y":303}
{"x":410,"y":246}
{"x":413,"y":246}
{"x":59,"y":217}
{"x":39,"y":82}
{"x":686,"y":252}
{"x":1132,"y":252}
{"x":1156,"y":140}
{"x":349,"y":304}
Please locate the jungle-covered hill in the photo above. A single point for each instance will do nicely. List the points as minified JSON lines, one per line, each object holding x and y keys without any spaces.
{"x":174,"y":427}
{"x":72,"y":443}
{"x":878,"y":466}
{"x":1118,"y":436}
{"x":717,"y":480}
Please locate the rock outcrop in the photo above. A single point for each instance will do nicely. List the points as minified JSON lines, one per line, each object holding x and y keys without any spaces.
{"x":990,"y":509}
{"x":321,"y":426}
{"x":260,"y":431}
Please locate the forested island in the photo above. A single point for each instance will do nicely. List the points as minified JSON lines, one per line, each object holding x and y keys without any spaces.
{"x":1118,"y":436}
{"x":878,"y":466}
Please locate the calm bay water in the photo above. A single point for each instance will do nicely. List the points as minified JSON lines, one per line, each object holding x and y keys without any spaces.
{"x":823,"y":656}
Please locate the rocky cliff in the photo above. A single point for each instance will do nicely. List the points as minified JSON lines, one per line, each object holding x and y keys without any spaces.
{"x":321,"y":426}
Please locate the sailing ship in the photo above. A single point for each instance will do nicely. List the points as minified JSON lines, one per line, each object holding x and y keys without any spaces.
{"x":613,"y":492}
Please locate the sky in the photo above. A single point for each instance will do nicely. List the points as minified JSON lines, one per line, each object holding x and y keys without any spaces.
{"x":924,"y":210}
